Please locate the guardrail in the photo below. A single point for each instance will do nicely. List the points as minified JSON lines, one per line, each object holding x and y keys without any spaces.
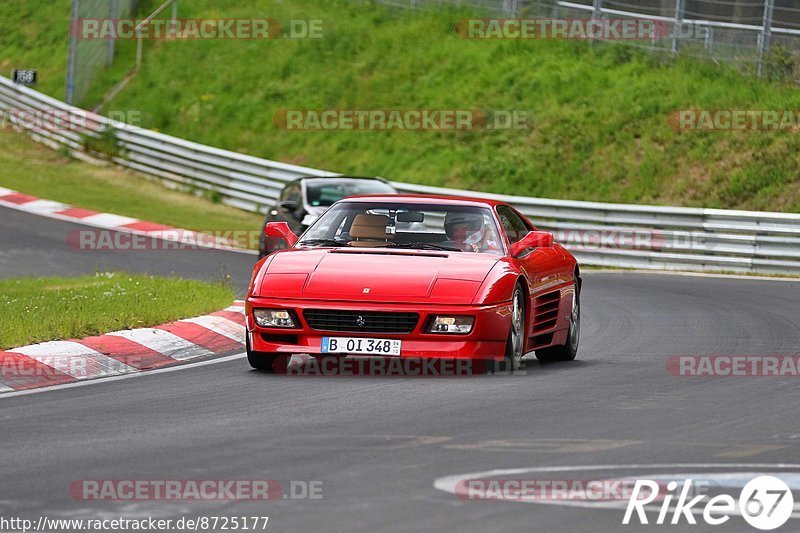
{"x":616,"y":235}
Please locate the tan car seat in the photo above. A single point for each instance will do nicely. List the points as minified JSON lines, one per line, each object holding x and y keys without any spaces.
{"x":369,"y":231}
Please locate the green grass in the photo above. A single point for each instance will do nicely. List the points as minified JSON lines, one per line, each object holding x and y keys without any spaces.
{"x":600,"y":112}
{"x":43,"y":309}
{"x":34,"y":34}
{"x":34,"y":169}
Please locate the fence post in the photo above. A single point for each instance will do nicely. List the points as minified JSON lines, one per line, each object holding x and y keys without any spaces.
{"x":597,"y":9}
{"x":73,"y":51}
{"x":511,"y":7}
{"x":139,"y":50}
{"x":678,"y":26}
{"x":765,"y":36}
{"x":113,"y":13}
{"x":175,"y":18}
{"x":708,"y":41}
{"x":597,"y":13}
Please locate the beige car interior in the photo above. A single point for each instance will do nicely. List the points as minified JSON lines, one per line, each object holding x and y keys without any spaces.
{"x":370,"y":231}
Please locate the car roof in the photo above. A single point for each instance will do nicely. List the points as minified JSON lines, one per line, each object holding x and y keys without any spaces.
{"x":343,"y":178}
{"x":436,"y":199}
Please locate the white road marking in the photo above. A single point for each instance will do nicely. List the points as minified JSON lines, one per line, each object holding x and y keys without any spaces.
{"x":75,"y":360}
{"x":45,"y":207}
{"x":220,"y":325}
{"x":89,"y":221}
{"x":123,"y":376}
{"x":164,"y":342}
{"x":449,"y":484}
{"x":3,"y":388}
{"x":546,"y":445}
{"x":107,"y":220}
{"x":235,"y":308}
{"x":6,"y":192}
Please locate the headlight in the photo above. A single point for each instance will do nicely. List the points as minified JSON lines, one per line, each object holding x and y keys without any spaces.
{"x":451,"y":324}
{"x":274,"y":318}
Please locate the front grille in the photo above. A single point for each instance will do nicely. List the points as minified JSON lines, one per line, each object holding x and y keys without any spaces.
{"x":371,"y":321}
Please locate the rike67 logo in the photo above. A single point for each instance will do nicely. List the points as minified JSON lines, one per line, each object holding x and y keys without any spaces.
{"x":765,"y":502}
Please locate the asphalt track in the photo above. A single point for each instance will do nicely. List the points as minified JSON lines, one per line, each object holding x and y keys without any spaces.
{"x":31,"y":245}
{"x":378,"y":444}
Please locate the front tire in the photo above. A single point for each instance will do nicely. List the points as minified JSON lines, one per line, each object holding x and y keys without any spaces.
{"x":515,"y":344}
{"x":270,"y":363}
{"x":568,"y":351}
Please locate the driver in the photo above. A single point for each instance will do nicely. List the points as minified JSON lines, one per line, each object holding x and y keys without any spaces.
{"x":468,"y":231}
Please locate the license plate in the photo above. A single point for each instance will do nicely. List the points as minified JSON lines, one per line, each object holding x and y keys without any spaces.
{"x":361,"y":346}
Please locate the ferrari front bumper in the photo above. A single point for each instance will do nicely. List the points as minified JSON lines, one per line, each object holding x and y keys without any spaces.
{"x":487,"y":340}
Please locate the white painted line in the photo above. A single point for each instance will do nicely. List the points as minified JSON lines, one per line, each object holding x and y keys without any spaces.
{"x":44,"y":207}
{"x":3,"y":388}
{"x":235,"y":309}
{"x":450,"y":484}
{"x":220,"y":325}
{"x":77,"y":384}
{"x":107,"y":220}
{"x":6,"y":192}
{"x":75,"y":360}
{"x":164,"y":342}
{"x":87,"y":222}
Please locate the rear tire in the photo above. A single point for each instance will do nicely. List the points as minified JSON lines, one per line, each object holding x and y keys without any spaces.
{"x":568,"y":351}
{"x":270,"y":363}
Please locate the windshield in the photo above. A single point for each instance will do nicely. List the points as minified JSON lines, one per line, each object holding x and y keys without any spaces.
{"x":326,"y":192}
{"x":410,"y":226}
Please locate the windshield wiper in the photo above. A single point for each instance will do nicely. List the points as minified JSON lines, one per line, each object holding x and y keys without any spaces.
{"x":321,"y":242}
{"x":424,"y":246}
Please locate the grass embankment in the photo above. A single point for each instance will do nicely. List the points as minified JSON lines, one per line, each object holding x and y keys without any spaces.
{"x":43,"y":309}
{"x":34,"y":169}
{"x":600,"y":113}
{"x":35,"y":34}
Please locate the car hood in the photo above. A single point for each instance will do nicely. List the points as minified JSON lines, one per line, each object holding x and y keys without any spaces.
{"x":376,"y":275}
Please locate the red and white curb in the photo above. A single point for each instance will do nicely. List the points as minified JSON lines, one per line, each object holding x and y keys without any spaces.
{"x":57,"y":210}
{"x":122,"y":352}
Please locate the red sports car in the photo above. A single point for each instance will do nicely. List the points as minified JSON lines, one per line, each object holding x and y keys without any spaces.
{"x":415,"y":276}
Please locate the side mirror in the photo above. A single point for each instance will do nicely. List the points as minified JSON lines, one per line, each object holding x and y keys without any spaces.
{"x":289,"y":205}
{"x":280,"y":231}
{"x":534,"y":239}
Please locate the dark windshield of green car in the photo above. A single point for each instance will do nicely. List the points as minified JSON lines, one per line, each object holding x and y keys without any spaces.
{"x":326,"y":192}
